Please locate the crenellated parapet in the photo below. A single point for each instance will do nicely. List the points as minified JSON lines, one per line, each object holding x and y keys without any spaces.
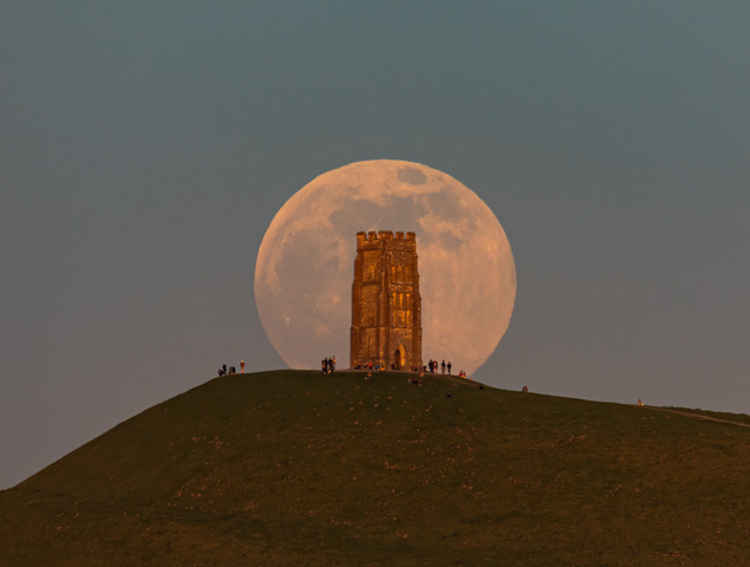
{"x":374,"y":239}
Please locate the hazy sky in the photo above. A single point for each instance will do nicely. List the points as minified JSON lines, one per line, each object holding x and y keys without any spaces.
{"x":146,"y":146}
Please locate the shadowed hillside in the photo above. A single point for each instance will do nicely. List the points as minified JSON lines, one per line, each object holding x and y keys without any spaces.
{"x":294,"y":468}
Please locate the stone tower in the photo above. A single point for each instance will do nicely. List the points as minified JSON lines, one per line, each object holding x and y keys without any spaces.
{"x":386,"y":305}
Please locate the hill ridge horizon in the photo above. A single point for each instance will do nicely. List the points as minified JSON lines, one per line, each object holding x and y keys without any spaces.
{"x":290,"y":467}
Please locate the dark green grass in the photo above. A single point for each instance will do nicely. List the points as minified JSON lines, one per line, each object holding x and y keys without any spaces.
{"x":738,"y":417}
{"x":293,"y":468}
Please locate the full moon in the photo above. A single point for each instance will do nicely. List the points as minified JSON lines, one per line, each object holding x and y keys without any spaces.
{"x":305,"y":264}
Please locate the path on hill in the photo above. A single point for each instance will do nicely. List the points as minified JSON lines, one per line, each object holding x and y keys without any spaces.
{"x":699,"y":416}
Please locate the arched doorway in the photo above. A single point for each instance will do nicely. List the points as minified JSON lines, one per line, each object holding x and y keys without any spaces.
{"x":399,"y":357}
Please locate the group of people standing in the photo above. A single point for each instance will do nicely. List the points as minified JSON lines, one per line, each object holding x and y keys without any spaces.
{"x":328,"y":365}
{"x":433,"y":365}
{"x":223,"y":370}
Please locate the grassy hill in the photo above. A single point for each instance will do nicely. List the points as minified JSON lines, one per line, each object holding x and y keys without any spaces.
{"x":294,"y":468}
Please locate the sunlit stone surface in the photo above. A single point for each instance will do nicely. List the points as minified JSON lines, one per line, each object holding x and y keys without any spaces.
{"x":386,"y":305}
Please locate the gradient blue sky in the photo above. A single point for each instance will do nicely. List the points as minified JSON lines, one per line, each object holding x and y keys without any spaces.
{"x":146,"y":147}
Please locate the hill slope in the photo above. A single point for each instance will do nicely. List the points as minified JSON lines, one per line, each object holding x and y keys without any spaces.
{"x":293,"y":468}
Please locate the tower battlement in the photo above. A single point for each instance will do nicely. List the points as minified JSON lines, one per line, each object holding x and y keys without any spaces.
{"x":386,"y":303}
{"x":384,"y":235}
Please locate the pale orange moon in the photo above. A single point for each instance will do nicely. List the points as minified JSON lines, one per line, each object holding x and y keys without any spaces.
{"x":304,"y":268}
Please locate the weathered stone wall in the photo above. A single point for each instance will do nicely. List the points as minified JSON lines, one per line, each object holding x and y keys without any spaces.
{"x":386,"y":304}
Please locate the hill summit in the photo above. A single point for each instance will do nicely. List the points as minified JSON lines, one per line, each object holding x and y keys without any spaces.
{"x":295,"y":468}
